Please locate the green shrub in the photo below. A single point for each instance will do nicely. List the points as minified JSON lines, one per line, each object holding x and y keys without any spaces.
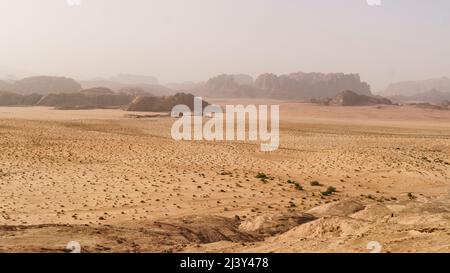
{"x":298,"y":186}
{"x":262,"y":176}
{"x":329,"y":191}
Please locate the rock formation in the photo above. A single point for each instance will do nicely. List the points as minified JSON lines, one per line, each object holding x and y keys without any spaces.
{"x":309,"y":85}
{"x":243,"y":79}
{"x":412,"y":88}
{"x":350,"y":98}
{"x":293,"y":86}
{"x":154,"y":89}
{"x":13,"y":99}
{"x":135,"y":91}
{"x":162,"y":104}
{"x":96,"y":91}
{"x":86,"y":99}
{"x":226,"y":86}
{"x":45,"y":85}
{"x":5,"y":86}
{"x":433,"y":96}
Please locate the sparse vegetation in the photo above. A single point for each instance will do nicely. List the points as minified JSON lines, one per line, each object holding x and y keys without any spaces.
{"x":263,"y":177}
{"x":329,"y":191}
{"x":269,"y":191}
{"x":296,"y":184}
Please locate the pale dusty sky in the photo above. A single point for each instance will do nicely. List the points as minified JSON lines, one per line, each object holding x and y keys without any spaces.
{"x":181,"y":40}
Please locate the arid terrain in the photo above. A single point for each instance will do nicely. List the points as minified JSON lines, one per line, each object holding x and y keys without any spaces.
{"x":117,"y":183}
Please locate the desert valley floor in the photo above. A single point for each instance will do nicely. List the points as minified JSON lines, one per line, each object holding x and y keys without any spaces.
{"x":117,"y":183}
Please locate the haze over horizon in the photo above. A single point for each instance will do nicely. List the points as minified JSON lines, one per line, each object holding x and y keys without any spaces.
{"x":177,"y":41}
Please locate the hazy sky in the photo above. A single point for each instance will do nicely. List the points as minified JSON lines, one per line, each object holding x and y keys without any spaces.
{"x":181,"y":40}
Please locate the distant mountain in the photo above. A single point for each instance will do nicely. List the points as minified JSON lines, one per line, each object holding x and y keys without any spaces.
{"x":128,"y":79}
{"x":44,"y":85}
{"x":134,"y":79}
{"x":5,"y":86}
{"x":433,"y":95}
{"x":97,"y":91}
{"x":155,"y":89}
{"x":184,"y":86}
{"x":99,"y":97}
{"x":243,"y":79}
{"x":226,"y":86}
{"x":213,"y":84}
{"x":141,"y":84}
{"x":135,"y":91}
{"x":310,"y":85}
{"x":350,"y":98}
{"x":292,"y":86}
{"x":411,"y":88}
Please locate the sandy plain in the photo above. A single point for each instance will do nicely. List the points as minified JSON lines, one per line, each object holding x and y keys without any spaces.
{"x":115,"y":183}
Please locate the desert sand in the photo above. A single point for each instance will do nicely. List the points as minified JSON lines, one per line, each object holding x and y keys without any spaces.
{"x":120,"y":184}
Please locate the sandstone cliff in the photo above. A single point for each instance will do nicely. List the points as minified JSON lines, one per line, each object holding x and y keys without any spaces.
{"x":310,"y":85}
{"x":292,"y":86}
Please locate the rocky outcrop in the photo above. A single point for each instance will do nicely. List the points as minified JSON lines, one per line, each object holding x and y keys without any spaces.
{"x":13,"y":99}
{"x":8,"y":98}
{"x":350,"y":98}
{"x":97,"y":91}
{"x":293,"y":86}
{"x":243,"y":79}
{"x":412,"y":88}
{"x":100,"y":98}
{"x":342,"y":208}
{"x":135,"y":91}
{"x":87,"y":99}
{"x":227,"y":86}
{"x":162,"y":104}
{"x":144,"y":88}
{"x":275,"y":223}
{"x":433,"y":96}
{"x":5,"y":86}
{"x":310,"y":85}
{"x":45,"y":85}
